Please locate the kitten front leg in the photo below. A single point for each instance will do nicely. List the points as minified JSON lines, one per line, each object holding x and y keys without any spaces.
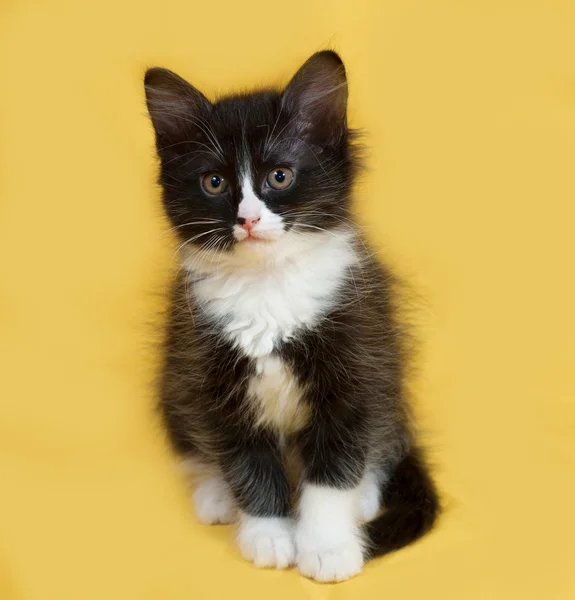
{"x":254,"y":471}
{"x":329,"y":542}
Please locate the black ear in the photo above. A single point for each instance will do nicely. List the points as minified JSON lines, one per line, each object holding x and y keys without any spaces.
{"x":176,"y":107}
{"x":317,"y":97}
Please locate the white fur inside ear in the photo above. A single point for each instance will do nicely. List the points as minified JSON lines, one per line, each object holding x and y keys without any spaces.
{"x":328,"y":539}
{"x":267,"y":541}
{"x":214,"y":502}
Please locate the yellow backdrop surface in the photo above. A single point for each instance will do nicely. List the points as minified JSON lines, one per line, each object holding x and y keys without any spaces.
{"x":470,"y":110}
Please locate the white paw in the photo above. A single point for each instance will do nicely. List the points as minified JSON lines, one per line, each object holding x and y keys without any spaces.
{"x":214,"y":503}
{"x":267,"y":541}
{"x":336,"y":563}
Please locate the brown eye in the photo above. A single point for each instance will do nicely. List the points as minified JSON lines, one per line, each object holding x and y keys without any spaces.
{"x":280,"y":178}
{"x":214,"y":183}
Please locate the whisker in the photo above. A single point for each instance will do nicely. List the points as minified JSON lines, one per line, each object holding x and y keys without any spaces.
{"x":195,"y":237}
{"x":272,"y":146}
{"x":202,"y":222}
{"x":210,"y":134}
{"x":314,"y":154}
{"x":208,"y":151}
{"x":358,"y":295}
{"x":203,"y":252}
{"x":269,"y":136}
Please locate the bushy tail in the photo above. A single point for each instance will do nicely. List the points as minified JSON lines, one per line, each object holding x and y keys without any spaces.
{"x":411,"y":508}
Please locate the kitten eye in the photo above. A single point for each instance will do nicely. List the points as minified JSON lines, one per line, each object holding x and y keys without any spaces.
{"x":280,"y":178}
{"x":214,"y":183}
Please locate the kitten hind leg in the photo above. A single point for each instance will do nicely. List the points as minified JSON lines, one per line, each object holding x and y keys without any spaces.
{"x":213,"y":500}
{"x":369,"y":495}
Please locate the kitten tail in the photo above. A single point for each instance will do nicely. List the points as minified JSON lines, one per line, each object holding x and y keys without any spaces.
{"x":412,"y":507}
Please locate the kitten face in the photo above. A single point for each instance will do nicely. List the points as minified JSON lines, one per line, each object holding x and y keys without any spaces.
{"x":241,"y":173}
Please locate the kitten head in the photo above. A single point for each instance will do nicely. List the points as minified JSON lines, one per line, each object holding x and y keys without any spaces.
{"x":249,"y":172}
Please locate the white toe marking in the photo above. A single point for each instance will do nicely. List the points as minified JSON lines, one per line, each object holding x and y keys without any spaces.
{"x":336,"y":564}
{"x":267,"y":541}
{"x":214,"y":502}
{"x":369,"y":500}
{"x":328,"y":539}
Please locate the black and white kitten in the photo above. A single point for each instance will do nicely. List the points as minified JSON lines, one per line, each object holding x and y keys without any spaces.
{"x":282,"y":348}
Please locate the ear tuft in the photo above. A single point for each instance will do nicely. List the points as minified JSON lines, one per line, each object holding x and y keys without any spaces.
{"x":173,"y":104}
{"x":317,"y":94}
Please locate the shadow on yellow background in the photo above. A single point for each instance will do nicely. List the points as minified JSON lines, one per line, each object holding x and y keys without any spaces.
{"x":470,"y":109}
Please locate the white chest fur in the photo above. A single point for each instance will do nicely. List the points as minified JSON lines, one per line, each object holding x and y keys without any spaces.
{"x":262,"y":297}
{"x":275,"y":396}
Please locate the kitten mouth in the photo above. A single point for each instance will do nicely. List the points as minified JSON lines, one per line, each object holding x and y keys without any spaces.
{"x":256,"y":237}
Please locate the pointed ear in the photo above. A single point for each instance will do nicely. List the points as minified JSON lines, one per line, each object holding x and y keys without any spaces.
{"x":317,"y":97}
{"x":174,"y":105}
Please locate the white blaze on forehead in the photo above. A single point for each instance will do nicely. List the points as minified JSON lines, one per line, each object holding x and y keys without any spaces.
{"x":250,"y":205}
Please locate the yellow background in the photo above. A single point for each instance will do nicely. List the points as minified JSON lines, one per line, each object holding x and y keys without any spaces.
{"x":470,"y":109}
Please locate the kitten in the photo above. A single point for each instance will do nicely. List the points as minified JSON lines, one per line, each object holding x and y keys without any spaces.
{"x":282,"y":346}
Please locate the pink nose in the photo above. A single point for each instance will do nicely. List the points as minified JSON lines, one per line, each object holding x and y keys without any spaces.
{"x":248,"y":223}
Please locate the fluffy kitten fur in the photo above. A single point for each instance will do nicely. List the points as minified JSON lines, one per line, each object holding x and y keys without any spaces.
{"x":283,"y":356}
